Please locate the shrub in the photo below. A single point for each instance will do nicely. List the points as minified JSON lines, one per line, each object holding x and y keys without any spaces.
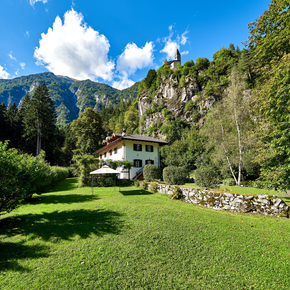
{"x":137,"y":183}
{"x":144,"y":185}
{"x":83,"y":166}
{"x":174,"y":175}
{"x":21,"y":175}
{"x":229,"y":182}
{"x":177,"y":193}
{"x":153,"y":187}
{"x":206,"y":177}
{"x":151,"y":172}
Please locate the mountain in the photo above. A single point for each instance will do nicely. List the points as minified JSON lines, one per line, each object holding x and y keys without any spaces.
{"x":70,"y":96}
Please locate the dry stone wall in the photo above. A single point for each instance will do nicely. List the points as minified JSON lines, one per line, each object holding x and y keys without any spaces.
{"x":263,"y":203}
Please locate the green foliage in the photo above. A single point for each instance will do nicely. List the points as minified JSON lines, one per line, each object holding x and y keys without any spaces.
{"x":229,"y":182}
{"x":21,"y":175}
{"x":137,"y":183}
{"x":175,"y":175}
{"x":144,"y":185}
{"x":206,"y":177}
{"x":177,"y":193}
{"x":173,"y":129}
{"x":150,"y":78}
{"x":184,"y":152}
{"x":88,"y":131}
{"x":84,"y":164}
{"x":39,"y":122}
{"x":153,"y":187}
{"x":189,"y":106}
{"x":151,"y":172}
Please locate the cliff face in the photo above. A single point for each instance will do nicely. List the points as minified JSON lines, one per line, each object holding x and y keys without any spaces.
{"x":171,"y":102}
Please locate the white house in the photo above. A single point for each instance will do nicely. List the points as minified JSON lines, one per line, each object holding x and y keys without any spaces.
{"x":140,"y":149}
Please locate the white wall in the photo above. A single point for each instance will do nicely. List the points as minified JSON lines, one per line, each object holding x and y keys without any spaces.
{"x":127,"y":153}
{"x":143,"y":155}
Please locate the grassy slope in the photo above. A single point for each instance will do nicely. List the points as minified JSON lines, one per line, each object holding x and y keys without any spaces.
{"x":69,"y":239}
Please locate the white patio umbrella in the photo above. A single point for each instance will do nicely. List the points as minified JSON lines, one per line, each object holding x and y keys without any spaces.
{"x":103,"y":170}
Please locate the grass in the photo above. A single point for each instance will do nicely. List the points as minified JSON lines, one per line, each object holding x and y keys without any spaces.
{"x":133,"y":239}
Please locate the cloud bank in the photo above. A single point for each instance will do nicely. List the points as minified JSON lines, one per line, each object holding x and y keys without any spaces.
{"x":74,"y":49}
{"x":3,"y":74}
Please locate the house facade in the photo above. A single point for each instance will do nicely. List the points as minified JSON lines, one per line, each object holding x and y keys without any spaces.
{"x":139,"y":149}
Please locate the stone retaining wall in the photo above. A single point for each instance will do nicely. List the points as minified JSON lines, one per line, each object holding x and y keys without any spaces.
{"x":263,"y":203}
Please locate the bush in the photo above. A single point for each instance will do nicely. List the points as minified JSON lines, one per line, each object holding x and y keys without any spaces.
{"x":144,"y":185}
{"x":137,"y":183}
{"x":153,"y":187}
{"x":177,"y":193}
{"x":84,"y":165}
{"x":229,"y":182}
{"x":206,"y":177}
{"x":151,"y":172}
{"x":21,"y":175}
{"x":175,"y":175}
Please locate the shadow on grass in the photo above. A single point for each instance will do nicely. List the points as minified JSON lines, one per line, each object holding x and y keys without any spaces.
{"x":66,"y":185}
{"x":69,"y":198}
{"x":63,"y":225}
{"x":135,"y":192}
{"x":11,"y":252}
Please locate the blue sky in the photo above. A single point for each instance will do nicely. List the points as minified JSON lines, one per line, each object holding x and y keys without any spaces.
{"x":116,"y":42}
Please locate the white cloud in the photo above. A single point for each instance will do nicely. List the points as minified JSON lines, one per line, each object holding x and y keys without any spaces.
{"x":130,"y":60}
{"x":171,"y":45}
{"x":11,"y":56}
{"x":74,"y":49}
{"x":170,"y":48}
{"x":22,"y":64}
{"x":3,"y":74}
{"x":32,"y":2}
{"x":184,"y":38}
{"x":134,"y":58}
{"x":17,"y":72}
{"x":185,"y":52}
{"x":27,"y":33}
{"x":123,"y":84}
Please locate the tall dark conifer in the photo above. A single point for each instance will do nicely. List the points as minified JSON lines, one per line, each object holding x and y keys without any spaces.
{"x":39,"y":122}
{"x":3,"y":122}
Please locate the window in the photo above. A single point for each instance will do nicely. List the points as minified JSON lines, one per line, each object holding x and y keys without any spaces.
{"x":137,"y":147}
{"x":149,"y":161}
{"x":101,"y":156}
{"x":137,"y":163}
{"x":110,"y":152}
{"x":105,"y":154}
{"x":115,"y":150}
{"x":149,"y":148}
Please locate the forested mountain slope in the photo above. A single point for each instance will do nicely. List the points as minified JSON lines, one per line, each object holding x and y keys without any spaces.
{"x":69,"y":96}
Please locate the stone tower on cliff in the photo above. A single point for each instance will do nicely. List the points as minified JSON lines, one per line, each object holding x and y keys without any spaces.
{"x":177,"y":59}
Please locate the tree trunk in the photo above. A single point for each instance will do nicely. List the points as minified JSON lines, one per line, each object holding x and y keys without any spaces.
{"x":240,"y":146}
{"x":226,"y":152}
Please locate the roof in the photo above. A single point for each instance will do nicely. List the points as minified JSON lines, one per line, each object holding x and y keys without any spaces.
{"x":105,"y":170}
{"x":133,"y":137}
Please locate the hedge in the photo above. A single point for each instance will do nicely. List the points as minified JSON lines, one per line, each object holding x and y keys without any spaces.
{"x":175,"y":175}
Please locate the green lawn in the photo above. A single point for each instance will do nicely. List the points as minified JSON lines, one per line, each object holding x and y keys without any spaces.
{"x":132,"y":239}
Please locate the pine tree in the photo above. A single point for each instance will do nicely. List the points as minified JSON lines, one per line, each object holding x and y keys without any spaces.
{"x":39,"y":121}
{"x":3,"y":122}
